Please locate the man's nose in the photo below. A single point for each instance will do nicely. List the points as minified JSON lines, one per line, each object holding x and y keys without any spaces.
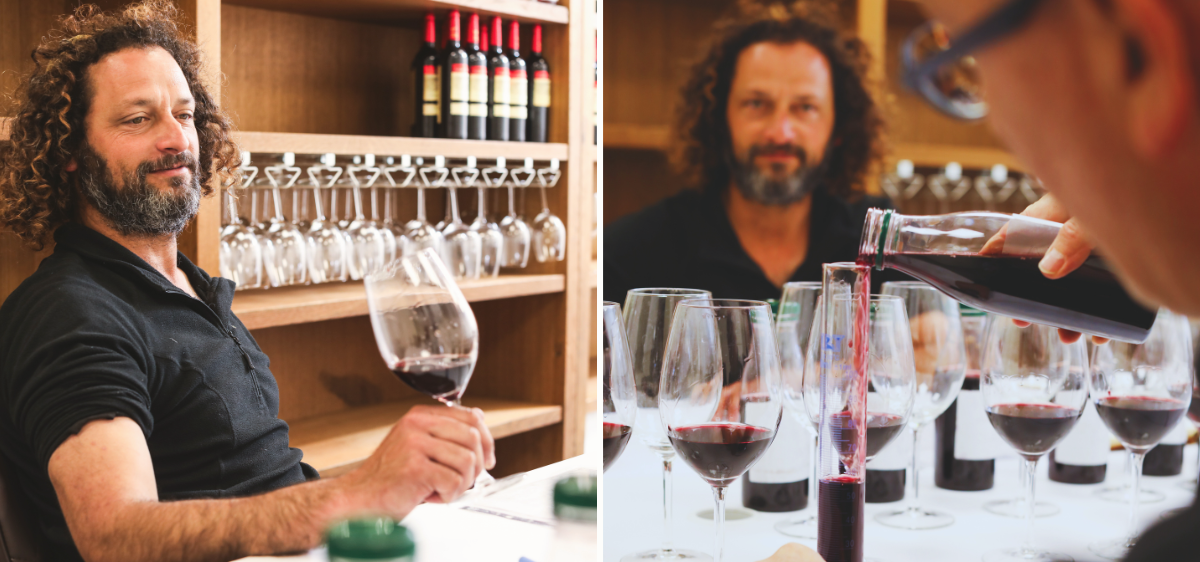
{"x":782,"y":130}
{"x":171,"y":136}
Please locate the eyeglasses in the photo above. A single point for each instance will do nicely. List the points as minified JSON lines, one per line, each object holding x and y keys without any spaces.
{"x":945,"y":74}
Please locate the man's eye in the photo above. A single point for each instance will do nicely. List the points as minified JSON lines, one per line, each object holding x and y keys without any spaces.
{"x":136,"y":121}
{"x":755,"y":103}
{"x":187,"y":116}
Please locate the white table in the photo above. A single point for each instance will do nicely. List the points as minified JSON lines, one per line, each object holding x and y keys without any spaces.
{"x":451,"y":534}
{"x":632,"y":513}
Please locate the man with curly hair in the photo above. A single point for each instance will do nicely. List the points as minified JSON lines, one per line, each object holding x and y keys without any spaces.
{"x":137,"y":412}
{"x":778,"y":129}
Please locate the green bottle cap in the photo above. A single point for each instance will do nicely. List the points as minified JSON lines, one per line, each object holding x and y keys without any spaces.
{"x":774,"y":306}
{"x":575,"y":498}
{"x":373,"y":538}
{"x":969,"y":311}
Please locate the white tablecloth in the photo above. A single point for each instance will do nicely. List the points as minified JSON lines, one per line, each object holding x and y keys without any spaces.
{"x":632,"y":513}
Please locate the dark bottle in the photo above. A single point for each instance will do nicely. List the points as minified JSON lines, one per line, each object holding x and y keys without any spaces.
{"x":499,"y":86}
{"x":779,"y":480}
{"x":1082,"y":456}
{"x":539,"y":90}
{"x":990,"y":261}
{"x":1166,"y":458}
{"x":518,"y":101}
{"x":456,"y":83}
{"x":965,"y":443}
{"x":478,"y":96}
{"x":886,"y":471}
{"x":426,"y":79}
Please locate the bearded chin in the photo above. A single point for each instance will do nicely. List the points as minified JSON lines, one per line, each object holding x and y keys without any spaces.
{"x":770,"y":189}
{"x":133,"y":207}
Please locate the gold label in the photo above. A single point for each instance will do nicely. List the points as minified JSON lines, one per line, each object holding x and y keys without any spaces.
{"x":479,"y":88}
{"x":518,"y":112}
{"x":460,"y":83}
{"x":478,"y":110}
{"x":500,"y":89}
{"x":541,"y":92}
{"x":459,"y":108}
{"x":429,"y":109}
{"x":500,"y":110}
{"x":520,"y":92}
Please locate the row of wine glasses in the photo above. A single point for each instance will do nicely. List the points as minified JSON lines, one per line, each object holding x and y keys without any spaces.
{"x":950,"y":188}
{"x":266,"y":249}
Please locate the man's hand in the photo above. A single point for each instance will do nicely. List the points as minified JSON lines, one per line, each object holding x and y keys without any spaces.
{"x":432,"y":454}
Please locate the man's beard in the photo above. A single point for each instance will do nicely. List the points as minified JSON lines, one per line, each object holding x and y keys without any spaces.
{"x":770,"y":189}
{"x":134,"y":207}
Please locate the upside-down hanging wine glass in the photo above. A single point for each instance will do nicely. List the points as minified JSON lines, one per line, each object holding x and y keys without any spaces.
{"x":549,"y":234}
{"x":516,"y":233}
{"x":390,"y":244}
{"x":490,"y":239}
{"x":397,"y":227}
{"x":241,"y":256}
{"x":463,"y":245}
{"x":368,"y":243}
{"x":289,"y":260}
{"x":420,"y":233}
{"x":327,"y":252}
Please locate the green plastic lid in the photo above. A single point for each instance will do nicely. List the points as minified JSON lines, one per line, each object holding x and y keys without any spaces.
{"x":575,"y":498}
{"x":372,"y":538}
{"x":969,"y":311}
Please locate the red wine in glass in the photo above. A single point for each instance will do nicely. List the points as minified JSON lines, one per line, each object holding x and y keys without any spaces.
{"x":1032,"y":429}
{"x":720,"y":452}
{"x":840,"y":501}
{"x":442,"y":377}
{"x":1139,"y":421}
{"x":616,"y":437}
{"x":881,"y":429}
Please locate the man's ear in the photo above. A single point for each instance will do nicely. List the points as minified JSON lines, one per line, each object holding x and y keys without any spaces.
{"x":72,"y":165}
{"x":1161,"y":84}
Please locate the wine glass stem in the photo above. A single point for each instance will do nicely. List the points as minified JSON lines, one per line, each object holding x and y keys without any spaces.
{"x":914,"y":503}
{"x":812,"y":480}
{"x":667,"y":502}
{"x":719,"y":519}
{"x":1136,"y":460}
{"x":1029,"y":474}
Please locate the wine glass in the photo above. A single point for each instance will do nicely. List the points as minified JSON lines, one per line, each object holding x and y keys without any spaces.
{"x":719,"y":399}
{"x":397,"y":227}
{"x":793,"y":328}
{"x":491,"y":241}
{"x":425,"y":329}
{"x":420,"y":233}
{"x":516,"y":232}
{"x":647,"y":316}
{"x":620,"y":401}
{"x":463,"y":245}
{"x":940,"y":360}
{"x":1034,"y":387}
{"x":241,"y":256}
{"x":327,"y":252}
{"x":288,"y":264}
{"x":549,"y":234}
{"x":1141,"y":391}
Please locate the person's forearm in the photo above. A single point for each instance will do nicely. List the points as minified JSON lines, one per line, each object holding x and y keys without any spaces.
{"x":287,"y":520}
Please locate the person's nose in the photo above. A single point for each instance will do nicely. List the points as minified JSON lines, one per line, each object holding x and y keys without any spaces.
{"x":171,"y":136}
{"x":782,"y":130}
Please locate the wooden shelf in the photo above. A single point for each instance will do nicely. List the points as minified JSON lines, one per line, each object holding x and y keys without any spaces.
{"x":394,"y":11}
{"x":590,"y":403}
{"x":267,"y":308}
{"x":642,"y":137}
{"x":336,"y":443}
{"x":593,"y":279}
{"x":303,"y":143}
{"x":938,"y":155}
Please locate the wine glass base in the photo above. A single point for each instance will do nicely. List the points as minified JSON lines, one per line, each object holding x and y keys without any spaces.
{"x":915,"y":519}
{"x":731,"y":514}
{"x":1016,"y":508}
{"x":673,"y":555}
{"x":1112,"y":550}
{"x":1019,"y":555}
{"x":1121,"y":494}
{"x":800,"y":527}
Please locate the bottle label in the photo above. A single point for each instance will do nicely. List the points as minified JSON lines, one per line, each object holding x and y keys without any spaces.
{"x":974,"y":437}
{"x":897,"y":455}
{"x":787,"y":459}
{"x":541,"y":89}
{"x":1088,"y":442}
{"x":1178,"y":435}
{"x":500,"y":110}
{"x":478,"y":110}
{"x":519,"y":98}
{"x":478,"y":84}
{"x":460,"y":84}
{"x":430,"y":91}
{"x":501,"y":86}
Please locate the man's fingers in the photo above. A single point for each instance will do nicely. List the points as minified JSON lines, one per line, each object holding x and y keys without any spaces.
{"x":1069,"y":250}
{"x":487,"y":443}
{"x":459,"y":459}
{"x":445,"y":483}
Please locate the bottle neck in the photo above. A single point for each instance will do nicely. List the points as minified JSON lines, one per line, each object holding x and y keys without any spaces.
{"x":497,"y":33}
{"x":430,"y":30}
{"x":537,"y":39}
{"x":874,"y":235}
{"x":473,"y":31}
{"x":514,"y":36}
{"x":455,"y":33}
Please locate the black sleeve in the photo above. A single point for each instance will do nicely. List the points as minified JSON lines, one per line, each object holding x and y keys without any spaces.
{"x":78,"y":360}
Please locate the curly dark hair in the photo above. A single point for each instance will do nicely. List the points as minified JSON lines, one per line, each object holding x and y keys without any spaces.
{"x":702,"y":149}
{"x":37,"y":194}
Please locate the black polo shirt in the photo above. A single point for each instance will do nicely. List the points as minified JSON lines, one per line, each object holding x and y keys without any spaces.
{"x":687,"y":241}
{"x":98,"y":333}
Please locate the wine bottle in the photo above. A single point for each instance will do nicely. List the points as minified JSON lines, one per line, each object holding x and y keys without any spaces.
{"x":539,"y":90}
{"x":966,"y":445}
{"x":499,"y":86}
{"x":1082,"y":456}
{"x":456,"y":87}
{"x":1166,"y":458}
{"x":990,"y":261}
{"x":518,"y":101}
{"x":886,"y":472}
{"x":427,"y":84}
{"x":478,"y":95}
{"x":779,"y":480}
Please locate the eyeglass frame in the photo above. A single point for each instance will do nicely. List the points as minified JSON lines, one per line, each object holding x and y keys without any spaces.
{"x":918,"y":76}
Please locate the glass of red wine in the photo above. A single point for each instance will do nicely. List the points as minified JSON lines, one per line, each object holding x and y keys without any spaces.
{"x":620,"y":407}
{"x":719,"y":396}
{"x":940,"y":361}
{"x":1141,"y":392}
{"x":1034,"y":388}
{"x":648,"y":313}
{"x":424,"y":328}
{"x":793,"y":330}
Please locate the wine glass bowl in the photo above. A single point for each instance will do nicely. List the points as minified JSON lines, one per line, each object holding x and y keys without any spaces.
{"x":422,"y":235}
{"x":328,"y":255}
{"x":620,"y":400}
{"x":463,"y":245}
{"x":289,"y":263}
{"x":549,"y":233}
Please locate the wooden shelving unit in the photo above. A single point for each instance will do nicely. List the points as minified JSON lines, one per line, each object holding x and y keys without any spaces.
{"x":320,"y":76}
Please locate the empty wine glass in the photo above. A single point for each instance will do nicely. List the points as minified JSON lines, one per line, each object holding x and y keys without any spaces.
{"x":391,"y":246}
{"x":490,"y":239}
{"x":397,"y":227}
{"x":241,"y":256}
{"x":719,"y":358}
{"x":793,"y":328}
{"x":549,"y":234}
{"x":327,"y":252}
{"x":516,"y":233}
{"x":288,"y":264}
{"x":420,"y":233}
{"x":1034,"y":387}
{"x":620,"y":404}
{"x":1141,"y":391}
{"x":368,"y":243}
{"x":463,"y":245}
